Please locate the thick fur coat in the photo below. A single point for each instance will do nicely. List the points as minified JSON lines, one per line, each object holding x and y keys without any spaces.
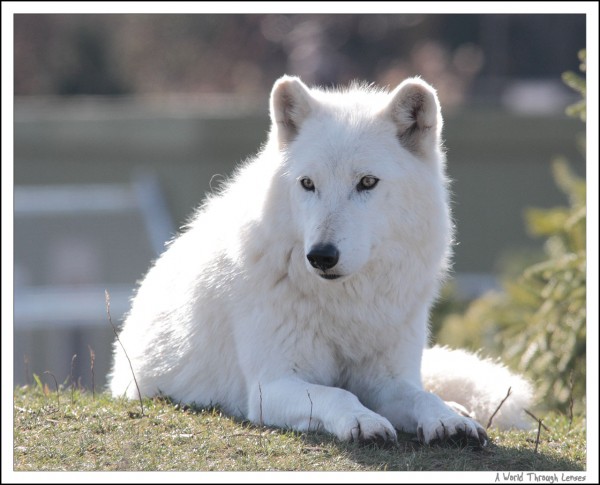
{"x":298,"y":296}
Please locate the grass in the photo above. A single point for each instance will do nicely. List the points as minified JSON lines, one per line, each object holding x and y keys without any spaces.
{"x":73,"y":430}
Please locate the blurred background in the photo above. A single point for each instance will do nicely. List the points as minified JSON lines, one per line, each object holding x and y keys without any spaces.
{"x":122,"y":121}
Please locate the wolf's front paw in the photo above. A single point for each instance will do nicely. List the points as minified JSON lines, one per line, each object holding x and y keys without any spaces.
{"x":452,"y":428}
{"x":365,"y":427}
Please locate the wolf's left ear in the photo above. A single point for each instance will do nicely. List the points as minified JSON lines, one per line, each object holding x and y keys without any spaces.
{"x":415,"y":110}
{"x":291,"y":103}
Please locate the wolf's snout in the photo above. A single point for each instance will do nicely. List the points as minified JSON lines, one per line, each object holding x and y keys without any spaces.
{"x":323,"y":256}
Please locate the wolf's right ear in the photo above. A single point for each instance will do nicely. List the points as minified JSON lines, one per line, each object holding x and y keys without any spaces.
{"x":291,"y":103}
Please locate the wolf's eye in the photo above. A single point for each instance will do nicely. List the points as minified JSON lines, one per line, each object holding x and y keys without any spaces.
{"x":368,"y":182}
{"x":307,"y":184}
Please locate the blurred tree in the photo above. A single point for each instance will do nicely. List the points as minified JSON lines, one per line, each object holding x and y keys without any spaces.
{"x":183,"y":53}
{"x":537,"y":324}
{"x":89,"y":70}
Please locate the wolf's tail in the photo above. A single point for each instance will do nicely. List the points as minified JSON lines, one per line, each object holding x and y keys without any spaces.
{"x":479,"y":385}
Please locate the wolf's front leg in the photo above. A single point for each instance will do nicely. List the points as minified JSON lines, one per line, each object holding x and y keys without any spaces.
{"x":414,"y":410}
{"x":290,"y":402}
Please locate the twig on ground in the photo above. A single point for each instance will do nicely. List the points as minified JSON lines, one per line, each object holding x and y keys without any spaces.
{"x":537,"y":419}
{"x":311,"y":410}
{"x":570,"y":400}
{"x":498,"y":408}
{"x":261,"y":410}
{"x":260,"y":405}
{"x":540,"y":425}
{"x":72,"y":383}
{"x":92,"y":360}
{"x":107,"y":298}
{"x":56,"y":384}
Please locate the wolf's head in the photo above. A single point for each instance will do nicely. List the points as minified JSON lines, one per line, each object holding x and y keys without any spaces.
{"x":366,"y":174}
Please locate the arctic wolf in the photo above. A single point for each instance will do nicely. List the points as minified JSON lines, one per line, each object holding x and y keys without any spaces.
{"x":298,"y":296}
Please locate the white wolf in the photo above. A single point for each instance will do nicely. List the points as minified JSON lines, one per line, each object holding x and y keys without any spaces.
{"x":299,"y":295}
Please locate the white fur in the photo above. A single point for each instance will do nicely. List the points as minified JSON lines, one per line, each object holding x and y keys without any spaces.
{"x":234,"y":314}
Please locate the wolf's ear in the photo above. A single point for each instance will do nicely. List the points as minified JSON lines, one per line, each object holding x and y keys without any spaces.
{"x":415,"y":110}
{"x":291,"y":103}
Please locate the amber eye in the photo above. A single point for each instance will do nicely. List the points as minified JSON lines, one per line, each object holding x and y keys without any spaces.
{"x":368,"y":182}
{"x":307,"y":184}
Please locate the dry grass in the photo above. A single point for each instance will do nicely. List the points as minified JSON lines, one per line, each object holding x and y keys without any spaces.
{"x":88,"y":433}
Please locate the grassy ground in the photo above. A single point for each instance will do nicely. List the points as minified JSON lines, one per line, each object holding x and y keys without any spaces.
{"x":70,"y":431}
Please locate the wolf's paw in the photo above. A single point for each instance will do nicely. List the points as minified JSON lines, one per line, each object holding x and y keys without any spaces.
{"x":365,"y":428}
{"x":454,"y":429}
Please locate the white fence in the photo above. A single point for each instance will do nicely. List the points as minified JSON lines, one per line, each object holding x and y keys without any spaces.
{"x":73,"y":243}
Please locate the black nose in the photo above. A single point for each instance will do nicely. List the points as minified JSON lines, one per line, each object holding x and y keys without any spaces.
{"x":323,"y":256}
